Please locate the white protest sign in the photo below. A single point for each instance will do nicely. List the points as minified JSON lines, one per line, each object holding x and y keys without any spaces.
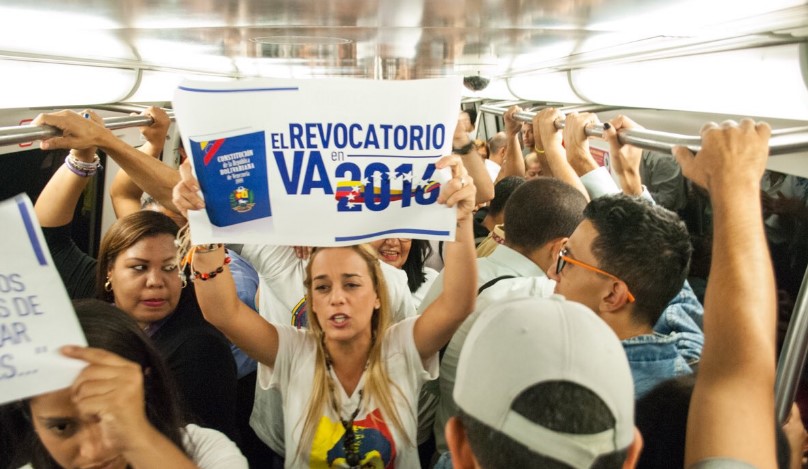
{"x":319,"y":162}
{"x":36,"y":316}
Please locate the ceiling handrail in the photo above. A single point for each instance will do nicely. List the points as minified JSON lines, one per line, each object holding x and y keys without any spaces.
{"x":782,"y":141}
{"x":28,"y":133}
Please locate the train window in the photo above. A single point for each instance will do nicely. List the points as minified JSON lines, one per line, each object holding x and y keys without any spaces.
{"x":28,"y":171}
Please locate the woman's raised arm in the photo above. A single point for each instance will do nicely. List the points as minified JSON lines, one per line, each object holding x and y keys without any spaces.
{"x":216,"y":291}
{"x":57,"y":202}
{"x":435,"y":327}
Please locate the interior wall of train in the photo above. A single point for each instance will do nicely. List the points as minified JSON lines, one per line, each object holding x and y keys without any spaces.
{"x":669,"y":65}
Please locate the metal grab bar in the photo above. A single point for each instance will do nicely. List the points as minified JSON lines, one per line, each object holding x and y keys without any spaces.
{"x":782,"y":141}
{"x":792,"y":356}
{"x":28,"y":133}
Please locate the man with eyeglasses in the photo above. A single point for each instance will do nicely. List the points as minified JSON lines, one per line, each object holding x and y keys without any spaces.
{"x":627,"y":261}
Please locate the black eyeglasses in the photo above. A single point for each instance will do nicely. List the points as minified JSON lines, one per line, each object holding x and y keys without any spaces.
{"x":564,"y":259}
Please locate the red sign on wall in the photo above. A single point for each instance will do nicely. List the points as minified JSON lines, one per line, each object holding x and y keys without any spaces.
{"x":27,"y":144}
{"x":600,"y":156}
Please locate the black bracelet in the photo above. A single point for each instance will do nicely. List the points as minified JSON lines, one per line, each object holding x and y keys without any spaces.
{"x":204,"y":276}
{"x":464,"y":150}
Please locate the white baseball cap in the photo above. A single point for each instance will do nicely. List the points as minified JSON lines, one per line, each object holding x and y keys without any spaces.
{"x":521,"y":343}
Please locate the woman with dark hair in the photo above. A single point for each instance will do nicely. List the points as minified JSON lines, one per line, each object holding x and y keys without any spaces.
{"x":410,"y":256}
{"x":137,"y":270}
{"x":121,"y":410}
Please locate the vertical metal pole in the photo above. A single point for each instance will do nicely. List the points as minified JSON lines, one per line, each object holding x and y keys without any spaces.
{"x":792,"y":357}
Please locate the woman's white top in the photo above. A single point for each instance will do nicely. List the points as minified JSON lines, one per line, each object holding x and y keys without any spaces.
{"x":381,"y":444}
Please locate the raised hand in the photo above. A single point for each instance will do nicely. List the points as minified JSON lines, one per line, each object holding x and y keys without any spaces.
{"x":185,"y":194}
{"x":110,"y":391}
{"x":458,"y":191}
{"x":625,"y":159}
{"x":77,"y":132}
{"x":731,"y":154}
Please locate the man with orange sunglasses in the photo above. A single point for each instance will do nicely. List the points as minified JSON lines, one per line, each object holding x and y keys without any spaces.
{"x":626,"y":261}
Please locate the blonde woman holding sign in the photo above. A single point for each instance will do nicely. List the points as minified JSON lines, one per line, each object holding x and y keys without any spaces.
{"x":350,"y":382}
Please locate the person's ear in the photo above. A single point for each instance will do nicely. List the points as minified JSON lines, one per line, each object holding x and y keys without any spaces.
{"x":462,"y":456}
{"x":616,"y":297}
{"x":634,"y":451}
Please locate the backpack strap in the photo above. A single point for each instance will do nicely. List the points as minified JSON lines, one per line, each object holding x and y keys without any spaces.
{"x":487,"y":284}
{"x":491,"y":283}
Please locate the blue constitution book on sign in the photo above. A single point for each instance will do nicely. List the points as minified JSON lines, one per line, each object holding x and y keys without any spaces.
{"x":232,"y":172}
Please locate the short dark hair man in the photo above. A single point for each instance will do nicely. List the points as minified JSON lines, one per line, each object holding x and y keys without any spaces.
{"x":539,"y":216}
{"x":570,"y":405}
{"x":626,"y":261}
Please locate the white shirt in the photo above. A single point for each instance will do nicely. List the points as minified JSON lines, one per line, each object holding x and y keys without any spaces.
{"x":381,"y":445}
{"x":503,"y":261}
{"x":503,"y":290}
{"x":418,"y":295}
{"x":492,"y":168}
{"x":282,"y":301}
{"x":211,"y":449}
{"x":599,"y":182}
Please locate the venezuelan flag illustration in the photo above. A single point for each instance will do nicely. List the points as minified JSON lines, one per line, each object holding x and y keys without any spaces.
{"x":210,"y":149}
{"x":374,"y":443}
{"x":354,"y":191}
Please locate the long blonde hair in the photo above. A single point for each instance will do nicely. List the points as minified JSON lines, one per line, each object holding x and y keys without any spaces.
{"x":378,"y":386}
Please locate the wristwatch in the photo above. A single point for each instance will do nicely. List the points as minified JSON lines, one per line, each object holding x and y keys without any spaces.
{"x":464,"y":150}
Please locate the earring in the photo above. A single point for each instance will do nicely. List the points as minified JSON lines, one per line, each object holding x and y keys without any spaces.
{"x":184,"y":280}
{"x":108,"y":285}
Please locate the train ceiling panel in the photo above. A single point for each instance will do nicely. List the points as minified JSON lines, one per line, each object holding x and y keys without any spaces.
{"x":385,"y":39}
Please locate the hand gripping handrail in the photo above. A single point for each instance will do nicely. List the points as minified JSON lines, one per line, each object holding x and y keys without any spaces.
{"x":782,"y":141}
{"x":795,"y":347}
{"x":28,"y":133}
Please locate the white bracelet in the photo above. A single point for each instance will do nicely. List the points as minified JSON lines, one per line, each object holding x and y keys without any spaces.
{"x":82,"y":168}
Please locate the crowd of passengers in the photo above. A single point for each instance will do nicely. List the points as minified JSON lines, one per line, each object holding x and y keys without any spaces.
{"x":558,"y":330}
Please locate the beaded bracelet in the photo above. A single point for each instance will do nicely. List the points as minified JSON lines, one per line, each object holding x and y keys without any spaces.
{"x":82,"y":168}
{"x":78,"y":172}
{"x":212,"y":274}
